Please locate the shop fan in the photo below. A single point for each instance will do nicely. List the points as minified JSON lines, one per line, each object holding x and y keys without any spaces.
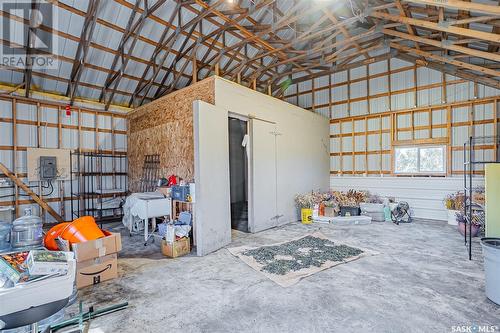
{"x":401,"y":213}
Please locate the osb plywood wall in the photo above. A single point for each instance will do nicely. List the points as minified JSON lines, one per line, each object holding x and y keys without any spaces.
{"x":165,"y":127}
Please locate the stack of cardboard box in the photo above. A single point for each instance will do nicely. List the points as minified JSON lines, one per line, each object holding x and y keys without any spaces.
{"x":96,"y":260}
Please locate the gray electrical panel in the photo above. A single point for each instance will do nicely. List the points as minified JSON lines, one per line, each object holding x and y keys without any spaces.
{"x":48,"y":167}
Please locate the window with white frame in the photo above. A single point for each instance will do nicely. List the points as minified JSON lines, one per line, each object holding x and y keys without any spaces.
{"x":420,"y":160}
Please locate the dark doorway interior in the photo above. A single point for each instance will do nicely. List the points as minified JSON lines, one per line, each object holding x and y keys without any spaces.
{"x":238,"y":170}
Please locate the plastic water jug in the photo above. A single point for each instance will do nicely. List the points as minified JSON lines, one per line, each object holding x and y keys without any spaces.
{"x":5,"y":235}
{"x":27,"y":231}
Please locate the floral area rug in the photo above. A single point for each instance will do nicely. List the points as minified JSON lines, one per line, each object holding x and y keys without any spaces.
{"x":288,"y":262}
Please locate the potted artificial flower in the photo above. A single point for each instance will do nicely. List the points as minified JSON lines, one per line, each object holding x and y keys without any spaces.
{"x":331,"y":207}
{"x":477,"y":223}
{"x":453,"y":203}
{"x":305,"y":203}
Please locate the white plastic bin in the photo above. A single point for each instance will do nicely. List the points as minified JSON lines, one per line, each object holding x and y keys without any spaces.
{"x":491,"y":253}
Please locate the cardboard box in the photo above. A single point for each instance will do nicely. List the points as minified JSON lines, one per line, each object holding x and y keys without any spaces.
{"x":176,"y":249}
{"x":96,"y":270}
{"x":101,"y":247}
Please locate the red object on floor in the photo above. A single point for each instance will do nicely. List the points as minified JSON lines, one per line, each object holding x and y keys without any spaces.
{"x":172,"y":180}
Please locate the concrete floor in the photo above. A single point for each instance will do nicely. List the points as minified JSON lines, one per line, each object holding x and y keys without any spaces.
{"x":420,"y":282}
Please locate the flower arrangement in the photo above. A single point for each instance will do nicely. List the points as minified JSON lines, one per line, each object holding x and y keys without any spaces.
{"x":335,"y":199}
{"x":304,"y":200}
{"x":351,"y":198}
{"x":477,"y":218}
{"x":454,"y":201}
{"x":308,"y":200}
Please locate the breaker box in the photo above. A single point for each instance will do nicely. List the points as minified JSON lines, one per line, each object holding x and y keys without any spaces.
{"x":48,"y":167}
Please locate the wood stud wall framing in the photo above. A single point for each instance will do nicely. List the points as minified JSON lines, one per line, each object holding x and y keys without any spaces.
{"x":394,"y":130}
{"x":390,"y":115}
{"x":60,"y":125}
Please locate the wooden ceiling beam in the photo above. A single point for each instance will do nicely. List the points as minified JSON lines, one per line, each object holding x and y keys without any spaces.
{"x":439,"y":27}
{"x":241,"y":28}
{"x":338,"y":68}
{"x":461,"y":5}
{"x":444,"y":45}
{"x":453,"y":70}
{"x":339,"y":55}
{"x":457,"y":63}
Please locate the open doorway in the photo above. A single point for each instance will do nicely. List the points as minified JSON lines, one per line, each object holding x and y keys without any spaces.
{"x":238,"y":173}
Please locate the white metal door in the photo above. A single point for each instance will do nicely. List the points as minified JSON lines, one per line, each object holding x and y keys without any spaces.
{"x":212,"y":225}
{"x":262,"y":178}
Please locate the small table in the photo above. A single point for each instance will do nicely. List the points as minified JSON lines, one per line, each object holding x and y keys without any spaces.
{"x":151,"y":206}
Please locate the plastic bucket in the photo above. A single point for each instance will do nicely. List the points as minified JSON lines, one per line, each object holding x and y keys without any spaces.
{"x":306,"y":215}
{"x":50,"y":238}
{"x":452,"y":217}
{"x":82,"y":229}
{"x":491,"y":253}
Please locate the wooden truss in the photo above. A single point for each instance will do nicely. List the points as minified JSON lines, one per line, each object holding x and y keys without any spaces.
{"x":261,"y":43}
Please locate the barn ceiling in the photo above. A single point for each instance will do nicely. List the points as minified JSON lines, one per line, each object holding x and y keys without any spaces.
{"x":129,"y":52}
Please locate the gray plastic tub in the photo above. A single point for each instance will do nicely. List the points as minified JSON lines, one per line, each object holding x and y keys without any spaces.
{"x":491,"y":253}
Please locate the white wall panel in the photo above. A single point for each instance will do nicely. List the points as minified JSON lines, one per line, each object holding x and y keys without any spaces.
{"x":6,"y":136}
{"x":403,"y":101}
{"x":379,"y":85}
{"x":305,"y":100}
{"x":340,"y":93}
{"x":402,"y":80}
{"x":424,"y":195}
{"x":428,"y":97}
{"x":340,"y":111}
{"x":378,"y":67}
{"x":359,"y":89}
{"x":26,"y":135}
{"x":339,"y":77}
{"x":69,"y":138}
{"x":321,"y":81}
{"x":88,"y":119}
{"x":398,"y":63}
{"x":359,"y":108}
{"x":358,"y":72}
{"x":321,"y":97}
{"x":104,"y":122}
{"x":5,"y":109}
{"x":335,"y":145}
{"x":25,"y":111}
{"x":325,"y":111}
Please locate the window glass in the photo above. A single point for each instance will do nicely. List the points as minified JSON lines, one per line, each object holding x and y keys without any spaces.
{"x":432,"y":159}
{"x":406,"y":160}
{"x":426,"y":159}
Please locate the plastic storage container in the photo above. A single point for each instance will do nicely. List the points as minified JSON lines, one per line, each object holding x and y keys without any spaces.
{"x":26,"y":231}
{"x":5,"y":235}
{"x":180,"y":192}
{"x":374,"y":210}
{"x":349,"y":211}
{"x":491,"y":253}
